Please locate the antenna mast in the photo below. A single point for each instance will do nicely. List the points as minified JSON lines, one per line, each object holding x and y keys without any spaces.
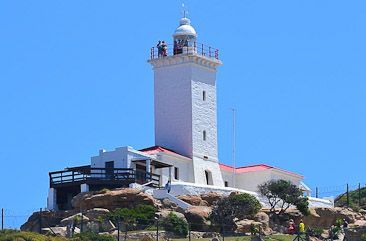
{"x":233,"y":147}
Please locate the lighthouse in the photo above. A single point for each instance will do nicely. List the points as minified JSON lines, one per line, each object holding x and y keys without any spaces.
{"x":185,"y":101}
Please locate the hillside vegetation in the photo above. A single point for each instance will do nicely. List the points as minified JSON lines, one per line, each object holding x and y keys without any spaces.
{"x":341,"y":200}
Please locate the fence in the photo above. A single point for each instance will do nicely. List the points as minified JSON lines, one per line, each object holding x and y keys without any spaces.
{"x":345,"y":195}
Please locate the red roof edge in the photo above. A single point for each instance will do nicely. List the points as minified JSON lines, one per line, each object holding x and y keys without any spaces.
{"x":264,"y":166}
{"x":156,"y":149}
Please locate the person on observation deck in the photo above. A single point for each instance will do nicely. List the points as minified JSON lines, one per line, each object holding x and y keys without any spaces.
{"x":164,"y":48}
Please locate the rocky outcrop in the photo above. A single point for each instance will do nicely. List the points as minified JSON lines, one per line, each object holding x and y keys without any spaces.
{"x":124,"y":197}
{"x":46,"y":219}
{"x":211,"y":198}
{"x":194,"y":200}
{"x":324,"y":217}
{"x":245,"y":225}
{"x":198,"y":217}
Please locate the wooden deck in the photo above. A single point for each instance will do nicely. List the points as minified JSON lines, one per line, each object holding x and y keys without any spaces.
{"x":101,"y":177}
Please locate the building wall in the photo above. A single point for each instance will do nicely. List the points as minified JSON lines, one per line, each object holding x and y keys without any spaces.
{"x":173,"y":107}
{"x":200,"y":166}
{"x":250,"y":180}
{"x":204,"y":112}
{"x":184,"y":165}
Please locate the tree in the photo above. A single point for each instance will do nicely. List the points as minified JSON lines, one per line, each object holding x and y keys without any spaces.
{"x":281,"y":194}
{"x":236,"y":205}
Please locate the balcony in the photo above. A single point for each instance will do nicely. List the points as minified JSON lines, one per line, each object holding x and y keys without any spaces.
{"x":106,"y":177}
{"x":187,"y":48}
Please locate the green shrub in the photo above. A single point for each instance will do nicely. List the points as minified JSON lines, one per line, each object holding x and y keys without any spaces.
{"x":236,"y":205}
{"x":12,"y":235}
{"x":173,"y":223}
{"x":364,"y":237}
{"x":140,"y":215}
{"x":88,"y":236}
{"x":315,"y":232}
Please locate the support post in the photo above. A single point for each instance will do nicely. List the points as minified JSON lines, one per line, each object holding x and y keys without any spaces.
{"x":2,"y":219}
{"x":316,"y":192}
{"x":118,"y":228}
{"x":359,"y":195}
{"x":82,"y":221}
{"x":40,"y":220}
{"x":189,"y":231}
{"x":347,"y":195}
{"x":157,"y":229}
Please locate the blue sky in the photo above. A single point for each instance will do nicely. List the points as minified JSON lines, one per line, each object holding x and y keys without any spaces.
{"x":74,"y":79}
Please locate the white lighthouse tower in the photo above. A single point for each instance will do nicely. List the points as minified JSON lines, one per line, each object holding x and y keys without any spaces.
{"x":185,"y":101}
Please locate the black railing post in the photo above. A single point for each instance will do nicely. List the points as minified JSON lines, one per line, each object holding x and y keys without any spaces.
{"x":157,"y":229}
{"x":2,"y":219}
{"x":359,"y":195}
{"x":40,"y":220}
{"x":347,"y":195}
{"x":316,"y":192}
{"x":189,"y":231}
{"x":118,"y":228}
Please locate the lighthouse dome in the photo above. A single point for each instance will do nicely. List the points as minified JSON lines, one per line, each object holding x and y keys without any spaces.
{"x":185,"y":29}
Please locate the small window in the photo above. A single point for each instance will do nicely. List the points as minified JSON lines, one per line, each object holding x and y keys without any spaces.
{"x":176,"y":173}
{"x":226,"y":183}
{"x":205,"y":157}
{"x":204,"y":95}
{"x":204,"y":135}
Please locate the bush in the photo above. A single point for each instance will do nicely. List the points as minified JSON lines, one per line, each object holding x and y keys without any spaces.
{"x":284,"y":194}
{"x":364,"y":237}
{"x":315,"y":232}
{"x":88,"y":236}
{"x":238,"y":206}
{"x":178,"y":226}
{"x":140,"y":215}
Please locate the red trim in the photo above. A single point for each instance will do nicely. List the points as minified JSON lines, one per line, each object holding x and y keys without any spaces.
{"x":153,"y":150}
{"x":253,"y":168}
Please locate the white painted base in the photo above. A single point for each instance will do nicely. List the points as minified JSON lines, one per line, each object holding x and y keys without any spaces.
{"x":84,"y":187}
{"x":52,"y":200}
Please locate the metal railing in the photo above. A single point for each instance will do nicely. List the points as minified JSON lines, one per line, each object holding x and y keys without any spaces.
{"x":95,"y":175}
{"x":191,"y":48}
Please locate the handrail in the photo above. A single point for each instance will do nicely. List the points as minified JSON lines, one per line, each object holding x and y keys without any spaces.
{"x":76,"y":175}
{"x":188,"y":48}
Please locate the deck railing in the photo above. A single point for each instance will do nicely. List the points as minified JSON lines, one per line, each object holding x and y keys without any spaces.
{"x":189,"y":48}
{"x":102,"y":175}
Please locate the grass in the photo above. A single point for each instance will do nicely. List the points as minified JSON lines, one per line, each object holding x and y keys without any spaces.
{"x":279,"y":237}
{"x":14,"y":235}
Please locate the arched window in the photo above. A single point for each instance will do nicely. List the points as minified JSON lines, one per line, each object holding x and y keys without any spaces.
{"x":204,"y":95}
{"x":204,"y":135}
{"x":208,"y":176}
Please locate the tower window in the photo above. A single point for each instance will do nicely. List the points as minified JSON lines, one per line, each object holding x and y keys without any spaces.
{"x":226,"y":183}
{"x":204,"y":95}
{"x":204,"y":135}
{"x":176,"y":173}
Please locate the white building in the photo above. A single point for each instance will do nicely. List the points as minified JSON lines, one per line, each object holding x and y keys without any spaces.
{"x":186,"y":150}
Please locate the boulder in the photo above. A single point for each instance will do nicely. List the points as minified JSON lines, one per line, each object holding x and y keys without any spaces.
{"x":245,"y":225}
{"x":96,"y":214}
{"x":74,"y":220}
{"x":211,"y":198}
{"x":117,"y":198}
{"x":164,"y":213}
{"x":194,"y":200}
{"x":198,"y":216}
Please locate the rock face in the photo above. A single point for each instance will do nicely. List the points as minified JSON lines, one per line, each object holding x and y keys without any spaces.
{"x":324,"y":217}
{"x":244,"y":226}
{"x":194,"y":200}
{"x":198,"y":216}
{"x":47,"y":218}
{"x":211,"y":198}
{"x":124,"y":197}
